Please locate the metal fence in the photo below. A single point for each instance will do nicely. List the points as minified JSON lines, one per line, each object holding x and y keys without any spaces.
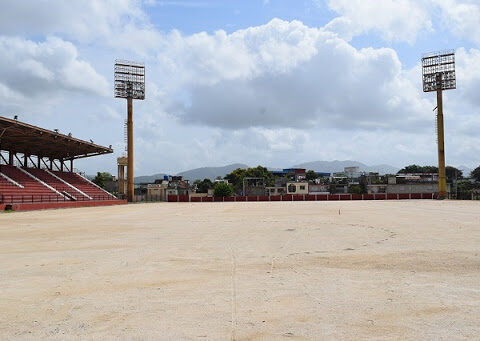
{"x":467,"y":195}
{"x":39,"y":198}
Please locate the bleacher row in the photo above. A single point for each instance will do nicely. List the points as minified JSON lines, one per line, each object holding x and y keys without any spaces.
{"x":23,"y":185}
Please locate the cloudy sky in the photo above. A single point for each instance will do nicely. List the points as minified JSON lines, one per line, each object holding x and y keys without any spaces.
{"x":271,"y":82}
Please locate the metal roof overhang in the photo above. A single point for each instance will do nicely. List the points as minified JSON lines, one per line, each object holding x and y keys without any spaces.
{"x":19,"y":137}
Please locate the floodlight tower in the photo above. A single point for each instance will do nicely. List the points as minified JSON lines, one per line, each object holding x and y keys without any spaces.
{"x":438,"y":70}
{"x":129,"y":84}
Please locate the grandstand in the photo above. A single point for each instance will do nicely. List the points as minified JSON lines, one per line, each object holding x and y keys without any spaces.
{"x":36,"y":167}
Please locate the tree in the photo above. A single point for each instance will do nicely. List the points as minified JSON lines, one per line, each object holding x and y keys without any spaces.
{"x":311,"y":175}
{"x":203,"y":185}
{"x":430,"y":169}
{"x":222,"y":189}
{"x":453,"y":173}
{"x":464,"y":189}
{"x":411,"y":169}
{"x":476,"y":174}
{"x":101,"y":178}
{"x":418,"y":169}
{"x":356,"y":189}
{"x":236,"y":176}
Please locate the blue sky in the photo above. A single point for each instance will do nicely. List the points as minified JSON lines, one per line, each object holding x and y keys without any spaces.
{"x":259,"y":82}
{"x":194,"y":16}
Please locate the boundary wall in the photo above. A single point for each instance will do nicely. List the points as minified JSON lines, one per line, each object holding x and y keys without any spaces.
{"x":305,"y":197}
{"x":50,"y":205}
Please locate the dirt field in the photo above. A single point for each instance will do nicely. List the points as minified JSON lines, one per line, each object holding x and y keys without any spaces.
{"x":243,"y":271}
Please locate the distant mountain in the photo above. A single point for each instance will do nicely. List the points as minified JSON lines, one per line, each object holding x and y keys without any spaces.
{"x":210,"y":172}
{"x":319,"y":166}
{"x":148,"y":179}
{"x":194,"y":174}
{"x":338,"y":166}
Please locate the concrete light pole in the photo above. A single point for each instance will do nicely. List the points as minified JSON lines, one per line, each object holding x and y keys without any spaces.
{"x":438,"y":71}
{"x":130,"y":84}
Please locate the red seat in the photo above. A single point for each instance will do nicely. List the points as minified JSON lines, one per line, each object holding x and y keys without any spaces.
{"x":35,"y":191}
{"x":32,"y":191}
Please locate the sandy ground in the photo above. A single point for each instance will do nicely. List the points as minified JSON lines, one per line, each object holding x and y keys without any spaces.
{"x":243,"y":271}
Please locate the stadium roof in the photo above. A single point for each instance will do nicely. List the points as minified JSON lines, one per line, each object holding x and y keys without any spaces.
{"x":24,"y":138}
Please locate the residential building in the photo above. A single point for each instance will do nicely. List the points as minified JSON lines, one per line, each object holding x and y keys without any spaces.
{"x":276,"y":190}
{"x":297,"y":187}
{"x":317,"y":188}
{"x":170,"y":185}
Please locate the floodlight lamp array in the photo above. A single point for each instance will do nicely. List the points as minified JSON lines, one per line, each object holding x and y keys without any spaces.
{"x":438,"y":71}
{"x":129,"y":79}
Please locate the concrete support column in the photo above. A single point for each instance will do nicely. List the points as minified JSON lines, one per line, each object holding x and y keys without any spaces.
{"x":130,"y":175}
{"x":442,"y":179}
{"x":121,"y":179}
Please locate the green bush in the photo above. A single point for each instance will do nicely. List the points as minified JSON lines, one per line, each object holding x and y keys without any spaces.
{"x":101,"y":178}
{"x":203,"y":185}
{"x":222,"y":189}
{"x":356,"y":189}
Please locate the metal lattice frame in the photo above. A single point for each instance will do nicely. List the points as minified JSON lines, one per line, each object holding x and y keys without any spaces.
{"x":253,"y":183}
{"x":438,"y":71}
{"x":129,"y":79}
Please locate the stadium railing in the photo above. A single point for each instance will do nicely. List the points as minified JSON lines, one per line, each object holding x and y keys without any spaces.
{"x":39,"y":198}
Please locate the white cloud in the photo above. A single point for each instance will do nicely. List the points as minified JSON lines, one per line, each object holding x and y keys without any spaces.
{"x":82,"y":20}
{"x":204,"y":58}
{"x":405,"y":20}
{"x":322,"y":94}
{"x":119,"y":24}
{"x":468,"y":75}
{"x":393,"y":20}
{"x":276,"y":94}
{"x":35,"y":68}
{"x":285,"y":74}
{"x":462,"y":17}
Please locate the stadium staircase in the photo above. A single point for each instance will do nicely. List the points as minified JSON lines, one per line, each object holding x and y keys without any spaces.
{"x":24,"y":185}
{"x":62,"y":186}
{"x":27,"y":188}
{"x":85,"y":185}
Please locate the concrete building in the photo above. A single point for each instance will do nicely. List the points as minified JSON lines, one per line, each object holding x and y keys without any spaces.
{"x":352,"y":172}
{"x":426,"y":187}
{"x":157,"y":191}
{"x":170,"y":185}
{"x":276,"y":190}
{"x":407,"y":183}
{"x":316,"y":188}
{"x":295,"y":174}
{"x":413,"y":178}
{"x":376,"y":188}
{"x":297,"y":187}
